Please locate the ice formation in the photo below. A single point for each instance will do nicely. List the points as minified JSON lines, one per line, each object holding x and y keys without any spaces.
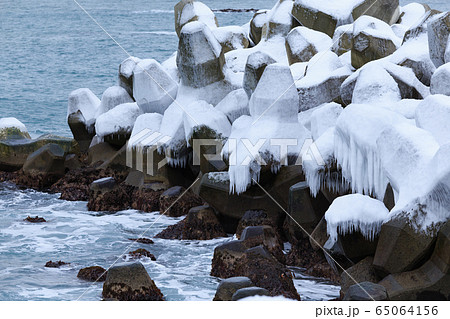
{"x":119,"y":120}
{"x":255,"y":140}
{"x":355,"y":147}
{"x":355,"y":212}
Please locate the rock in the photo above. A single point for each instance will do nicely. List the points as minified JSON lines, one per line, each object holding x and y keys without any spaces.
{"x":187,"y":11}
{"x":304,"y":210}
{"x":36,"y":219}
{"x":115,"y":126}
{"x":319,"y":235}
{"x":101,"y":153}
{"x":126,"y":70}
{"x":93,"y":273}
{"x":112,"y":97}
{"x":200,"y":56}
{"x":142,"y":240}
{"x":55,"y":264}
{"x":254,"y":69}
{"x":420,"y":27}
{"x":372,"y":40}
{"x":176,"y":202}
{"x":233,"y":259}
{"x":46,"y":164}
{"x":201,"y":223}
{"x":423,"y":68}
{"x":303,"y":43}
{"x":82,"y":108}
{"x":266,"y":236}
{"x":118,"y":161}
{"x":343,"y":39}
{"x":366,"y":291}
{"x":130,"y":282}
{"x":12,"y":129}
{"x":139,"y":253}
{"x":256,"y":25}
{"x":215,"y":190}
{"x":438,"y":35}
{"x":447,"y":52}
{"x":14,"y":153}
{"x":409,"y":85}
{"x":429,"y":282}
{"x":322,"y":82}
{"x":320,"y":16}
{"x":440,"y":80}
{"x":433,"y":115}
{"x":254,"y":218}
{"x":400,"y":247}
{"x":229,"y":286}
{"x":72,"y":162}
{"x":146,"y":200}
{"x":249,"y":292}
{"x":234,"y":105}
{"x":103,"y":185}
{"x":117,"y":199}
{"x":279,"y":20}
{"x":153,"y":88}
{"x":231,"y":38}
{"x":361,"y":272}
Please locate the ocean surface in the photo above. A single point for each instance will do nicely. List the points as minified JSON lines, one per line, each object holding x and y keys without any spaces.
{"x":47,"y":50}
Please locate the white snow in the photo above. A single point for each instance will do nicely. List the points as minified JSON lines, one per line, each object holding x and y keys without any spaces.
{"x":233,"y":36}
{"x":303,"y":37}
{"x":375,"y":86}
{"x":447,"y":52}
{"x":323,"y":118}
{"x":150,"y":121}
{"x":112,"y":97}
{"x":275,"y":96}
{"x":202,"y":114}
{"x":118,"y":120}
{"x":433,"y":115}
{"x":170,"y":65}
{"x":127,"y":66}
{"x":234,"y":105}
{"x":298,"y":70}
{"x":376,"y":28}
{"x":153,"y":88}
{"x":12,"y":122}
{"x":86,"y":102}
{"x":281,"y":12}
{"x":341,"y":10}
{"x":440,"y":81}
{"x":199,"y":10}
{"x":355,"y":212}
{"x":207,"y":44}
{"x":411,"y":14}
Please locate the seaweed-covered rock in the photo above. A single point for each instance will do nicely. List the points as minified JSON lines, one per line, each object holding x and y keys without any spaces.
{"x":130,"y":282}
{"x":201,"y":223}
{"x":34,"y":220}
{"x":46,"y":165}
{"x":12,"y":129}
{"x":266,"y":236}
{"x":173,"y":204}
{"x":254,"y":218}
{"x":229,"y":286}
{"x":55,"y":264}
{"x":141,"y":252}
{"x":93,"y":273}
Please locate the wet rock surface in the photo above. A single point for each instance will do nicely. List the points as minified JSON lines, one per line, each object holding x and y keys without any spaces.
{"x":139,"y":253}
{"x":174,"y":204}
{"x":55,"y":264}
{"x":36,"y":219}
{"x":93,"y":273}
